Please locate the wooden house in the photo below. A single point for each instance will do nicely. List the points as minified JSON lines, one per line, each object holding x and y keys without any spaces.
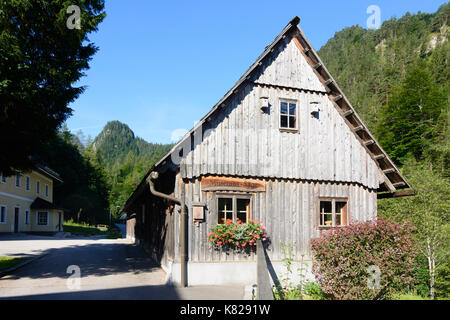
{"x":284,"y":146}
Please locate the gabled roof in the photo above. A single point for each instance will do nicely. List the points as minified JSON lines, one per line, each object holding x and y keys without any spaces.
{"x":49,"y":172}
{"x":393,"y":179}
{"x":40,"y":203}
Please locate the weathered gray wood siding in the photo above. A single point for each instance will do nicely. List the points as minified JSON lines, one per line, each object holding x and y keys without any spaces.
{"x":243,"y":141}
{"x":288,"y":209}
{"x":287,"y":67}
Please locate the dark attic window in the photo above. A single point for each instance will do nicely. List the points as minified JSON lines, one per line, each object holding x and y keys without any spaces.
{"x":288,"y":115}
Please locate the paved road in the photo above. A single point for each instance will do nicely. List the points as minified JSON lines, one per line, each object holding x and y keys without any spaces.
{"x":123,"y":229}
{"x":110,"y":269}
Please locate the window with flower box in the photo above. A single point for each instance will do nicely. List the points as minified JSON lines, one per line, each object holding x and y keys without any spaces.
{"x":233,"y":207}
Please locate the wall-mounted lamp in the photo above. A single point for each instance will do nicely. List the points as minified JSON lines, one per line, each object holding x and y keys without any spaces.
{"x":264,"y":104}
{"x":315,"y":109}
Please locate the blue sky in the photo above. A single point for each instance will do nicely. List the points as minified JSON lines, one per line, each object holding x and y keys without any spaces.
{"x":162,"y":65}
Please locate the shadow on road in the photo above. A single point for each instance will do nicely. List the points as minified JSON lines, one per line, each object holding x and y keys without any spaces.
{"x":96,"y":259}
{"x":155,"y":292}
{"x":136,"y":275}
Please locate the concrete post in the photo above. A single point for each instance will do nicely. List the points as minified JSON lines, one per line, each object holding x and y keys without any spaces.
{"x":262,"y":274}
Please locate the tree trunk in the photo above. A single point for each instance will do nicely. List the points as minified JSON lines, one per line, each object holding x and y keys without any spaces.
{"x":431,"y":268}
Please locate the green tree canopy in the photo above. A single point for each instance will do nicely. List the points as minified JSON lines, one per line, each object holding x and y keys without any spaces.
{"x":411,"y":115}
{"x":40,"y":60}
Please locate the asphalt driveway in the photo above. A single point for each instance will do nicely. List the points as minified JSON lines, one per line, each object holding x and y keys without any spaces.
{"x":108,"y":269}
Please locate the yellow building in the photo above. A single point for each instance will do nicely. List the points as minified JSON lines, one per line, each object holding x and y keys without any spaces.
{"x":26,"y":202}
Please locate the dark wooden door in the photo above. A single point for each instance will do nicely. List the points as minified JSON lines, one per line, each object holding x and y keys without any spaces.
{"x":16,"y":220}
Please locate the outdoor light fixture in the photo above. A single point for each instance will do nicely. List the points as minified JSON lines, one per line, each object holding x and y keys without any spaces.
{"x":314,"y":109}
{"x":264,"y":104}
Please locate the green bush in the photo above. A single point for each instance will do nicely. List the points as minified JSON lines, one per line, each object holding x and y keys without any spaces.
{"x":369,"y":260}
{"x":314,"y":291}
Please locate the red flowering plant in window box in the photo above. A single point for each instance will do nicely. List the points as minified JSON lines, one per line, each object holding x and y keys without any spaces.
{"x":237,"y":234}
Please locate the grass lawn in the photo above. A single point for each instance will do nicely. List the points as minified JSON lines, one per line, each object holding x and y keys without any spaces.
{"x":83,"y":229}
{"x":408,"y":296}
{"x":8,"y":262}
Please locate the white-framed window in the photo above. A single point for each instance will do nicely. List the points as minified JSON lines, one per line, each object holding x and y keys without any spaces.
{"x":234,"y":207}
{"x":288,"y":115}
{"x":27,"y":217}
{"x":3,"y":214}
{"x":18,"y":178}
{"x":46,"y":190}
{"x":27,"y":182}
{"x":42,"y":218}
{"x":38,"y":187}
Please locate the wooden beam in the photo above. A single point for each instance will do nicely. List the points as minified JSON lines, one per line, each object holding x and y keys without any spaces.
{"x":337,"y":98}
{"x":369,"y":142}
{"x":397,"y":194}
{"x":329,"y":81}
{"x":306,"y":50}
{"x":390,"y":170}
{"x":380,"y":156}
{"x":359,"y":128}
{"x":399,"y":184}
{"x":388,"y":184}
{"x":317,"y":66}
{"x":347,"y":113}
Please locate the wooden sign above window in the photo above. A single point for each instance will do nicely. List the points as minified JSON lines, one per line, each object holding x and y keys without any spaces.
{"x":232,"y":184}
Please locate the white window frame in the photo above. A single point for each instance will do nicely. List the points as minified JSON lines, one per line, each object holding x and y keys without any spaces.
{"x":27,"y":183}
{"x":46,"y":190}
{"x":297,"y":124}
{"x":6,"y":213}
{"x":27,"y":217}
{"x":18,"y":179}
{"x":37,"y":218}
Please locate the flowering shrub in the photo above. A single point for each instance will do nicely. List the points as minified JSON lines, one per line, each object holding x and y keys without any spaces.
{"x":364,"y":261}
{"x":237,"y":234}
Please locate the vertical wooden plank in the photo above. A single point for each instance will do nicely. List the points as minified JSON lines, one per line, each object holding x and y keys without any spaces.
{"x":276,"y":218}
{"x":313,"y":194}
{"x":305,"y":215}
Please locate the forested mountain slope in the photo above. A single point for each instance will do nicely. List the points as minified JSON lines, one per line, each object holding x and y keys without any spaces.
{"x":127,"y":158}
{"x":367,"y":64}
